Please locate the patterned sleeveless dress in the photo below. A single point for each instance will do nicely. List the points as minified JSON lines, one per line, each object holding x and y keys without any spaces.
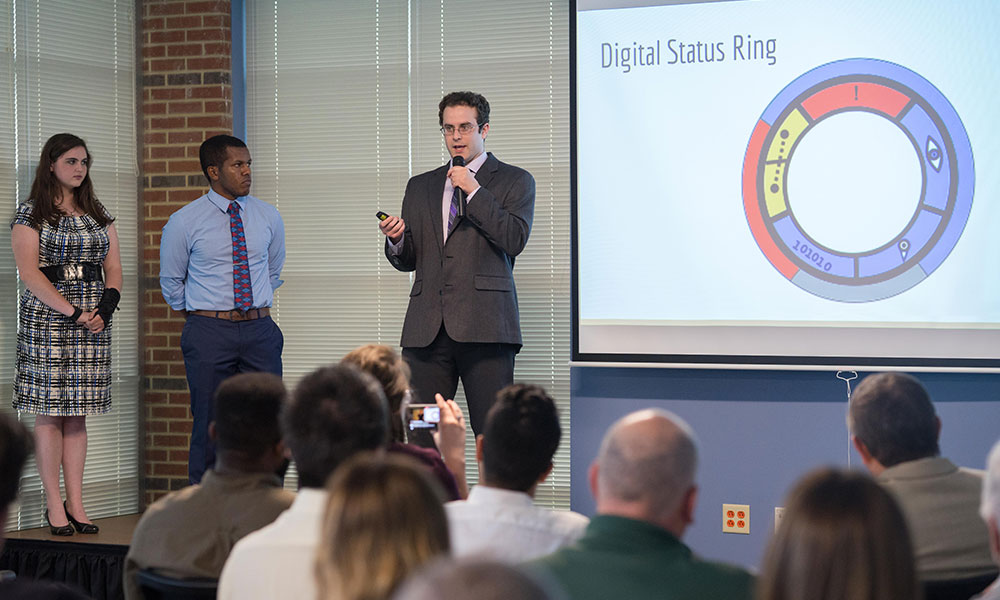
{"x":62,"y":369}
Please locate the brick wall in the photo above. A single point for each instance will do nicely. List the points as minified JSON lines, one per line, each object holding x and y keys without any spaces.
{"x":186,"y":97}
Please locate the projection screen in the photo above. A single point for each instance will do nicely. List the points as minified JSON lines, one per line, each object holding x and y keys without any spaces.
{"x":787,"y":183}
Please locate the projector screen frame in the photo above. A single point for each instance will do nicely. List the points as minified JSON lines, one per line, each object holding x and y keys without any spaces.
{"x":707,"y":360}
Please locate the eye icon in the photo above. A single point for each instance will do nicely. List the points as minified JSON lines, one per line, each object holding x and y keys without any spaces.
{"x":933,"y":154}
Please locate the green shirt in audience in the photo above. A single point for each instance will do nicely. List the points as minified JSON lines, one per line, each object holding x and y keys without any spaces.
{"x":626,"y":558}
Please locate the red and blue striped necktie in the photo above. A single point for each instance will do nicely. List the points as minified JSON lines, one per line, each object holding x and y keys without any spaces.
{"x":242,"y":290}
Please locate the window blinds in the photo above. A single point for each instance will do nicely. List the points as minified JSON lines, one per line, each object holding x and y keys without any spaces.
{"x":70,"y":67}
{"x":342,"y":109}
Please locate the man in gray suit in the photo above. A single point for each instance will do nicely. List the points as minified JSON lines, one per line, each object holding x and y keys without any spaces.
{"x":461,"y":226}
{"x":895,"y":430}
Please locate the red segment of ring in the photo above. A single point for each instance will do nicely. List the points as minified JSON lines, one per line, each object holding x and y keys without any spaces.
{"x":856,"y":94}
{"x":751,"y":206}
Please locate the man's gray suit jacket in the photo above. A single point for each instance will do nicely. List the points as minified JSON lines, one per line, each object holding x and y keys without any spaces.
{"x":467,"y":283}
{"x":941,"y":504}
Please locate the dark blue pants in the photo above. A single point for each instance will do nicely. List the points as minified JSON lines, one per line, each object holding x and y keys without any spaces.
{"x":215,"y":349}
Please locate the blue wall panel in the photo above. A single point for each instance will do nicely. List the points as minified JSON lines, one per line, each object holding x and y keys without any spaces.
{"x":759,"y":431}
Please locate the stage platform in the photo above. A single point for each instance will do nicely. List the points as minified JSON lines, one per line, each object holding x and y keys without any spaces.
{"x":93,"y":563}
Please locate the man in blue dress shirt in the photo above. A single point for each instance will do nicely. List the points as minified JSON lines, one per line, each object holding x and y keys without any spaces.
{"x":208,"y":251}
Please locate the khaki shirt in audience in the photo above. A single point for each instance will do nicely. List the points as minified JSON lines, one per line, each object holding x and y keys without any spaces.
{"x":941,"y":504}
{"x":190,"y":532}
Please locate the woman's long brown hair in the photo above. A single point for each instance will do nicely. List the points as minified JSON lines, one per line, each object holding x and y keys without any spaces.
{"x":388,"y":368}
{"x":843,"y":537}
{"x":45,"y":190}
{"x":384,"y":520}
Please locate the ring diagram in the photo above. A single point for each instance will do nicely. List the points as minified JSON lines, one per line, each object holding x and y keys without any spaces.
{"x":913,"y":105}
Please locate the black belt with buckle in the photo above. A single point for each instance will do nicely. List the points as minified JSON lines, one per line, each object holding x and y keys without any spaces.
{"x":78,"y":272}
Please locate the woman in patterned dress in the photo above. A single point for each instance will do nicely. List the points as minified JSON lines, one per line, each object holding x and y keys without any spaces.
{"x":63,"y":239}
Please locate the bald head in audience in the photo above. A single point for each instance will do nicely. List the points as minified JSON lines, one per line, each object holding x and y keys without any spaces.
{"x":643,"y":482}
{"x":645,"y":470}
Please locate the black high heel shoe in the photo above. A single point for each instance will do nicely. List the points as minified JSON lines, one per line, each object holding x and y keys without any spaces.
{"x":80,"y":527}
{"x":62,"y":531}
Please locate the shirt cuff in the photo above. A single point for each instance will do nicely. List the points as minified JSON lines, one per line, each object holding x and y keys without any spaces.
{"x":395,"y":248}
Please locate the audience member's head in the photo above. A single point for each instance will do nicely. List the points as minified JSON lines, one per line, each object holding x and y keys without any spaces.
{"x":334,"y":413}
{"x":384,"y":519}
{"x":645,"y":470}
{"x":842,"y":537}
{"x":15,"y":447}
{"x":476,"y":579}
{"x":384,"y":364}
{"x":892,"y":421}
{"x":246,"y":427}
{"x":989,"y":509}
{"x":520,"y":437}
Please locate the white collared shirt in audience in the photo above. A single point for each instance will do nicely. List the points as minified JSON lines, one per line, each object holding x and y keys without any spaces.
{"x":506,"y":525}
{"x":278,"y":561}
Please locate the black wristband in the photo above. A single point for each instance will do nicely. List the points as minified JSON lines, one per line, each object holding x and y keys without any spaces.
{"x":77,"y":311}
{"x":109,"y":302}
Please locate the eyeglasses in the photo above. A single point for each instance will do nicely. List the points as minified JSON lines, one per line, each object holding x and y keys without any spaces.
{"x":464,"y":129}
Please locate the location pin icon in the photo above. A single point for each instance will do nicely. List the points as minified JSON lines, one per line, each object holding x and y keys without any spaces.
{"x":904,"y":246}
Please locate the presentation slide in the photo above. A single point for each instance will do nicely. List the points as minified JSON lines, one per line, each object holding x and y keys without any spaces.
{"x":788,"y":182}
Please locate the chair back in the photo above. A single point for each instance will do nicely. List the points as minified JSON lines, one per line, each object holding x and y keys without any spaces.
{"x":957,"y":589}
{"x":160,"y":587}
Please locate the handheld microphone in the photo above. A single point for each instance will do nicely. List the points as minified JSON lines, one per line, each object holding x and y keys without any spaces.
{"x":459,"y":161}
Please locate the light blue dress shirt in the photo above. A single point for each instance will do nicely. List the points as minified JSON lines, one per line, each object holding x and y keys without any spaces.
{"x":196,"y":253}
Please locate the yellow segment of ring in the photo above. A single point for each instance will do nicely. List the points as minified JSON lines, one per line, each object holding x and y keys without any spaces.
{"x":777,"y":161}
{"x":775,"y":198}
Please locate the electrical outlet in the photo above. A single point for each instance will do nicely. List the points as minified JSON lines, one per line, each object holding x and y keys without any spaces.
{"x":736,"y":518}
{"x":779,"y":514}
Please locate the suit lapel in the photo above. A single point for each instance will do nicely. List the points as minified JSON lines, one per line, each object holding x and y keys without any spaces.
{"x":435,"y":193}
{"x":485,"y":173}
